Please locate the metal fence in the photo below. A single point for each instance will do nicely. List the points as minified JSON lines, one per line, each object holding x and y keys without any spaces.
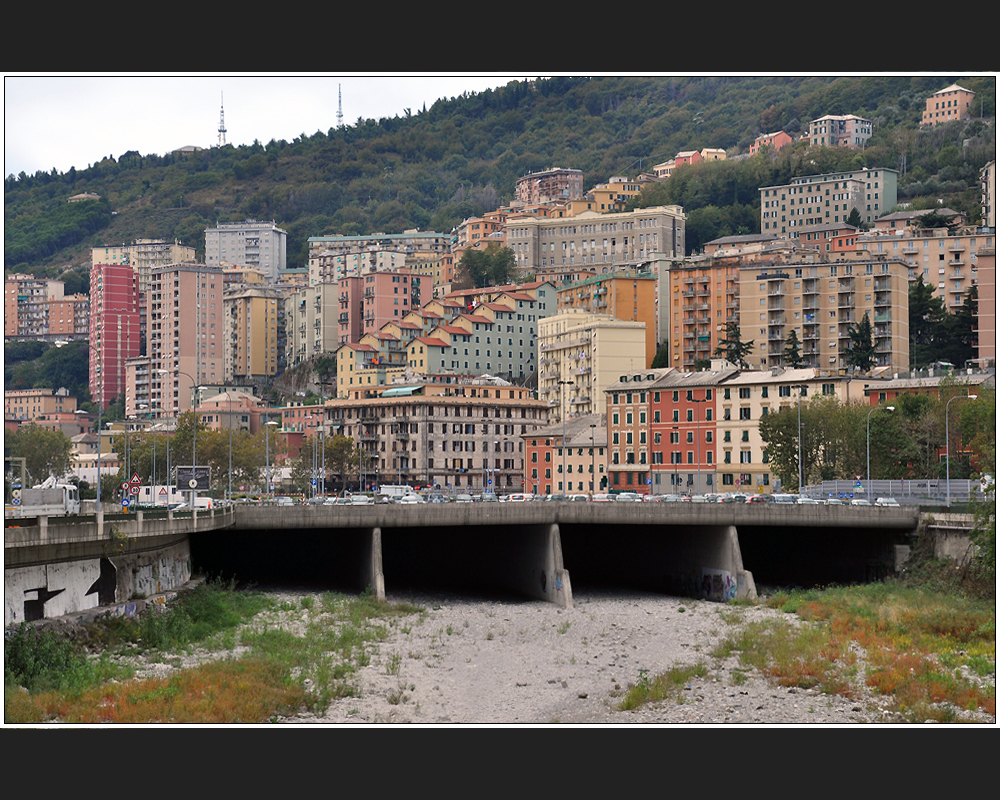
{"x":923,"y":491}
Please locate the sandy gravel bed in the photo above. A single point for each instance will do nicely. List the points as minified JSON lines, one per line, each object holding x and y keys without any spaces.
{"x":532,"y":663}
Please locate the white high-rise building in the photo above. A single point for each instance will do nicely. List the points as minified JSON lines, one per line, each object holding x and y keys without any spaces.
{"x":251,"y":243}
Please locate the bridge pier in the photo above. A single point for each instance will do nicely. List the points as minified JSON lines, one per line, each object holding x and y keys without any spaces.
{"x":372,"y":574}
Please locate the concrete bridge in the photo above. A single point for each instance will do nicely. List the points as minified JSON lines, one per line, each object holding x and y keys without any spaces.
{"x":59,"y":566}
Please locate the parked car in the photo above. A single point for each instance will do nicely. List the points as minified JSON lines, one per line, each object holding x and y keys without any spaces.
{"x":887,"y":501}
{"x":834,"y":501}
{"x":578,"y":498}
{"x":489,"y":497}
{"x":628,"y":497}
{"x":807,"y":501}
{"x":284,"y":501}
{"x":603,"y":498}
{"x":362,"y":500}
{"x":758,"y":498}
{"x":463,"y":498}
{"x":408,"y":500}
{"x":860,"y":501}
{"x":517,"y":497}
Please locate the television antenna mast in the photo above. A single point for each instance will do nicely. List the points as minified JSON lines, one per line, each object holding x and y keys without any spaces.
{"x":222,"y":121}
{"x":340,"y":110}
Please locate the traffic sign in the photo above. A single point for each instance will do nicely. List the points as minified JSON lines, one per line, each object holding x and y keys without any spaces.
{"x":135,"y":479}
{"x":16,"y":501}
{"x":133,"y":490}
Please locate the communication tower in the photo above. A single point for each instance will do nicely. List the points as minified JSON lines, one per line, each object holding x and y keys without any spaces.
{"x":222,"y":121}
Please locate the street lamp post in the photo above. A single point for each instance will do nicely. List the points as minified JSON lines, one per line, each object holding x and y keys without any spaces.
{"x":593,"y":459}
{"x":947,"y":444}
{"x":697,"y":444}
{"x":868,"y":442}
{"x":194,"y":429}
{"x":800,"y":388}
{"x":562,"y":413}
{"x":267,"y":454}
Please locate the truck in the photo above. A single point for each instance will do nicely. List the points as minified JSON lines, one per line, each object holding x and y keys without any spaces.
{"x":48,"y":499}
{"x":161,"y":495}
{"x":392,"y":491}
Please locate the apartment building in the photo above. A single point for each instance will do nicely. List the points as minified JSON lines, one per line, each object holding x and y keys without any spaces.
{"x":986,"y":310}
{"x":115,"y":328}
{"x":946,"y":105}
{"x":822,"y":302}
{"x":186,"y":321}
{"x":252,"y":243}
{"x":412,"y":243}
{"x":596,"y":240}
{"x":375,"y":361}
{"x":553,"y":185}
{"x":629,"y":296}
{"x":581,"y":354}
{"x":29,"y":404}
{"x":464,"y":435}
{"x":825,"y":199}
{"x":775,"y":141}
{"x":312,"y":322}
{"x":629,"y":437}
{"x":27,"y":303}
{"x":742,"y":463}
{"x":332,"y":266}
{"x":69,"y":317}
{"x":947,"y":259}
{"x":567,"y":458}
{"x":673,"y":432}
{"x":254,"y":333}
{"x":840,"y":131}
{"x":142,"y":255}
{"x":698,"y":299}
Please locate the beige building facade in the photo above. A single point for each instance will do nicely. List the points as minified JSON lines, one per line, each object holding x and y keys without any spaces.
{"x":596,"y":240}
{"x":827,"y":199}
{"x":580,"y":354}
{"x":947,"y":105}
{"x":822,"y":302}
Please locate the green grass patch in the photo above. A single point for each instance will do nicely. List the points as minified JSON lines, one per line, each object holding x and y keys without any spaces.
{"x":664,"y":686}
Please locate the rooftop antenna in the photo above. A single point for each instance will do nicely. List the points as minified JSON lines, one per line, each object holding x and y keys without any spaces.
{"x":340,"y":110}
{"x":222,"y":121}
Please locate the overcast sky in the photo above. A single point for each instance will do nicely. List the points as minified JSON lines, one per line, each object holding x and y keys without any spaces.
{"x":75,"y":120}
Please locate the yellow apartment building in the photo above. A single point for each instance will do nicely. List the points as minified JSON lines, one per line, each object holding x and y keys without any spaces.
{"x":580,"y":355}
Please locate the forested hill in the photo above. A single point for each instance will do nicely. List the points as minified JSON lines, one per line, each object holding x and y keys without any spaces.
{"x":430,"y":168}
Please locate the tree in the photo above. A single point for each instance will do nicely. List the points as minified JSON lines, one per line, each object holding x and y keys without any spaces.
{"x":342,"y":456}
{"x":854,"y":219}
{"x":861,"y":354}
{"x":45,"y":452}
{"x":662,"y":357}
{"x":732,"y":348}
{"x":792,"y":356}
{"x":926,"y":313}
{"x":493,"y":266}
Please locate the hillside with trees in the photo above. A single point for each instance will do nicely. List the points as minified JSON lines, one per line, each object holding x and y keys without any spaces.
{"x":432,"y":168}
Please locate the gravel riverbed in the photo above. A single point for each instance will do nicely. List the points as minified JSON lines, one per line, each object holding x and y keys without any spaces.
{"x":475,"y":661}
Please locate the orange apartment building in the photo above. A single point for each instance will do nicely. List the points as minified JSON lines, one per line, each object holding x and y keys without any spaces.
{"x":701,"y":297}
{"x":624,"y":296}
{"x":947,"y":105}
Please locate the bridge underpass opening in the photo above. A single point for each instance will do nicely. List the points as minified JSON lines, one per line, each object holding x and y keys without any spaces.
{"x":815,"y":556}
{"x":666,"y":559}
{"x":500,"y":562}
{"x":321,"y":559}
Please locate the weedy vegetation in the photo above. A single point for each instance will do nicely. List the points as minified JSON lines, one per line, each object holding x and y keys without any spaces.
{"x":51,"y":678}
